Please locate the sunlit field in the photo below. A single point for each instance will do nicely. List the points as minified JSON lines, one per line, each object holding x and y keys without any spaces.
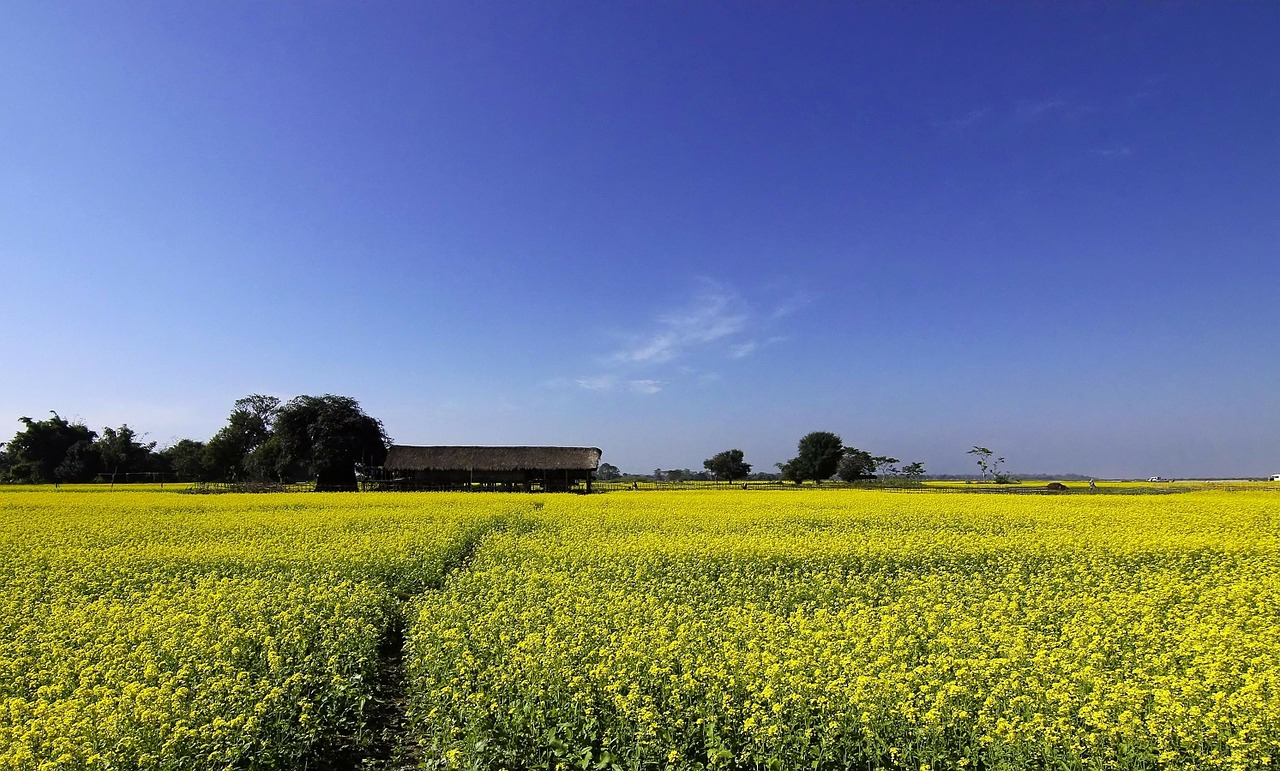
{"x":696,"y":629}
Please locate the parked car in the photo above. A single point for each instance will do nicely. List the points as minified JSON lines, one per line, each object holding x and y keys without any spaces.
{"x":1159,"y":479}
{"x":1275,"y":478}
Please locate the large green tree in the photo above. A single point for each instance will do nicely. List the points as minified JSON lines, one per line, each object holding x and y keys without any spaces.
{"x":727,"y":465}
{"x":856,"y":464}
{"x":248,"y":428}
{"x":326,"y":435}
{"x":121,"y":451}
{"x":82,"y":463}
{"x":186,"y":460}
{"x":39,"y":449}
{"x":817,"y":456}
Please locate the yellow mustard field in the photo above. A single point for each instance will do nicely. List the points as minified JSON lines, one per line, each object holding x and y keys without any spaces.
{"x":642,"y":630}
{"x":163,"y":631}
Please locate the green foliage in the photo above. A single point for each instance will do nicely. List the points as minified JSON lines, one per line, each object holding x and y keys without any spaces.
{"x":608,"y":472}
{"x":988,"y":464}
{"x":37,"y":451}
{"x":186,"y":460}
{"x":727,"y":465}
{"x":885,"y":465}
{"x":122,"y":452}
{"x":248,"y":427}
{"x":82,"y":463}
{"x":327,"y":435}
{"x":818,"y":456}
{"x":856,"y":464}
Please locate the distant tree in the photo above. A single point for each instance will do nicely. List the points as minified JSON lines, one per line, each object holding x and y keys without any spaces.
{"x":988,"y":464}
{"x":675,"y":474}
{"x":327,"y":435}
{"x":727,"y":465}
{"x":818,"y":456}
{"x":248,"y":428}
{"x":120,"y":451}
{"x":787,"y":471}
{"x":186,"y":460}
{"x":81,"y":463}
{"x":913,"y":471}
{"x":608,"y":472}
{"x":885,"y":465}
{"x":36,"y":452}
{"x":856,"y":464}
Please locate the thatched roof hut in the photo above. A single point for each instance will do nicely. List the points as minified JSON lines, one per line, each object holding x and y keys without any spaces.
{"x":404,"y":457}
{"x":507,"y":468}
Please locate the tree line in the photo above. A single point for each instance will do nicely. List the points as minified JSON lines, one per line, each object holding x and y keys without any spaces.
{"x":323,"y":438}
{"x":264,"y":440}
{"x":820,"y":455}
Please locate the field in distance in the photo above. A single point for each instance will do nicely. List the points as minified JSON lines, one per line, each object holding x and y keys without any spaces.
{"x":697,"y":629}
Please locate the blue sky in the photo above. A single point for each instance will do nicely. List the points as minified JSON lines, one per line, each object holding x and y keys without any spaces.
{"x":663,"y":229}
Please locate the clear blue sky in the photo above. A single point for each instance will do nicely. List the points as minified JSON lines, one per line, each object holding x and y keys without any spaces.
{"x":664,"y":229}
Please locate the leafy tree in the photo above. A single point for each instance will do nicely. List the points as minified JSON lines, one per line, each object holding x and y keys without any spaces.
{"x":248,"y":428}
{"x":36,"y":452}
{"x":186,"y":459}
{"x":607,"y":472}
{"x":727,"y":465}
{"x":913,"y":471}
{"x":987,"y":464}
{"x":885,"y":465}
{"x":856,"y":464}
{"x":818,"y":455}
{"x":121,"y":451}
{"x":81,"y":463}
{"x":327,"y":435}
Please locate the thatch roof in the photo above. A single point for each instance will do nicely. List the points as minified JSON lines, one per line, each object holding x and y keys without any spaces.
{"x":404,"y":457}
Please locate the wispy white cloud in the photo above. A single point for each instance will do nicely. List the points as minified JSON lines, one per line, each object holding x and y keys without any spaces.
{"x":646,"y":386}
{"x":1114,"y":152}
{"x":597,"y":383}
{"x":743,"y":350}
{"x":715,"y":325}
{"x":715,"y":314}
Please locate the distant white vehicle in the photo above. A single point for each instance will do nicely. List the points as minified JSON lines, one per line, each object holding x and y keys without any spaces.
{"x":1274,"y":478}
{"x":1159,"y":479}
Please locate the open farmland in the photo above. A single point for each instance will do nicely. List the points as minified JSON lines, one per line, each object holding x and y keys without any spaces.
{"x":732,"y":629}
